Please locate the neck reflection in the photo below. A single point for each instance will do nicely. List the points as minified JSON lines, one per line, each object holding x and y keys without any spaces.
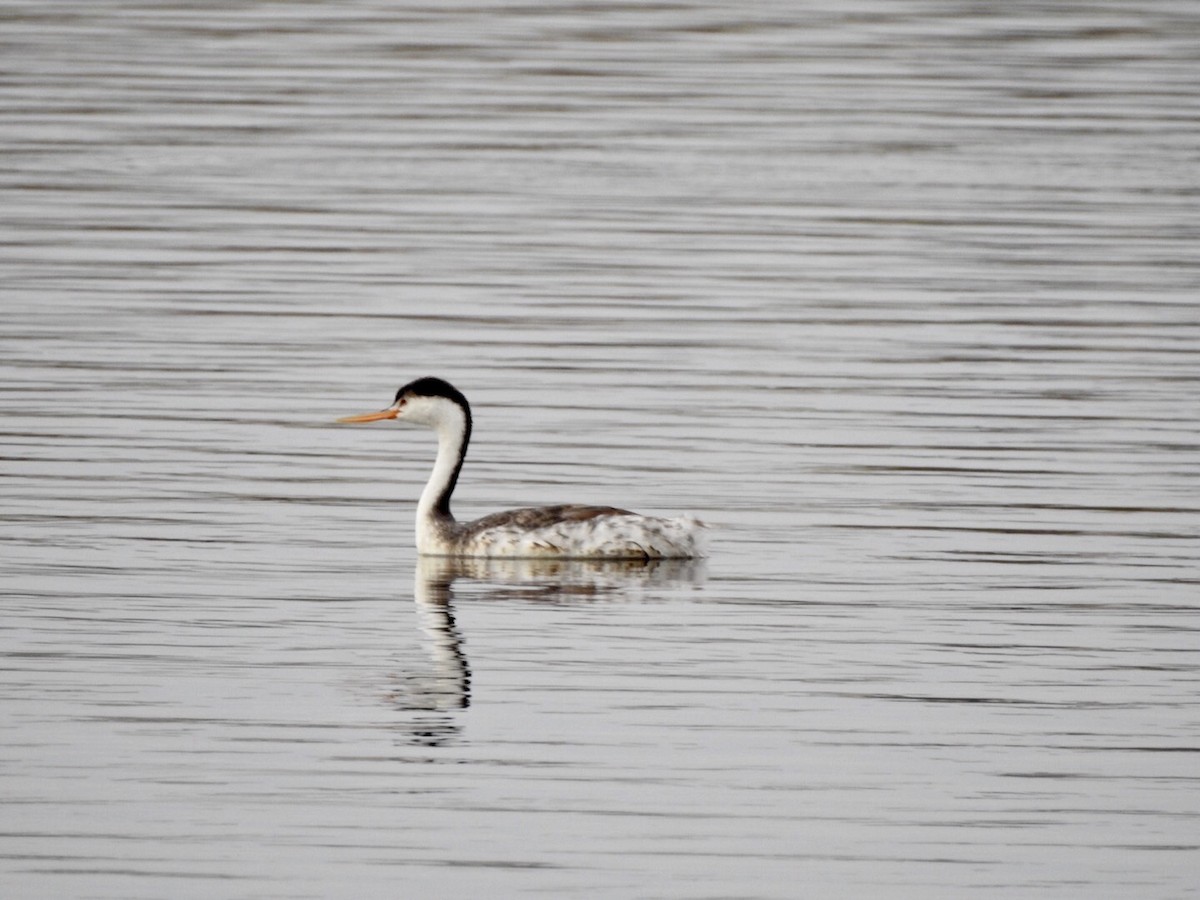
{"x":444,"y":688}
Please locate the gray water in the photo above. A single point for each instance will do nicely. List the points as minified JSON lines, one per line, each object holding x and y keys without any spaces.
{"x":901,"y":297}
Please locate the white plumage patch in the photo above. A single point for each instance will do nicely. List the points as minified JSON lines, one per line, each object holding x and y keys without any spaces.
{"x":575,"y":532}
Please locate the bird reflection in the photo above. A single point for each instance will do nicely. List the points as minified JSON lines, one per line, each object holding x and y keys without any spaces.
{"x":448,"y":684}
{"x":445,"y":687}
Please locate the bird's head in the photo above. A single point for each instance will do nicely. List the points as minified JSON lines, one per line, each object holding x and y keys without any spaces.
{"x":426,"y":401}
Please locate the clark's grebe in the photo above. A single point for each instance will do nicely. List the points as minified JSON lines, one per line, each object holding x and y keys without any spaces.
{"x":568,"y":531}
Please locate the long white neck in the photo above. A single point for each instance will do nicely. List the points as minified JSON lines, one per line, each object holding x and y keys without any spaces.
{"x":433,"y":509}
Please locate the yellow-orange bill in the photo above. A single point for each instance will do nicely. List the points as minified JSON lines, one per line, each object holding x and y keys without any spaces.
{"x":390,"y":413}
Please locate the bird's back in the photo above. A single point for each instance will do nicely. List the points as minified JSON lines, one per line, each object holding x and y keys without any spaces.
{"x":589,"y":532}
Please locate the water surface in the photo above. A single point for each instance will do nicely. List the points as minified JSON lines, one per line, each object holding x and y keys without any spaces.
{"x":901,"y":297}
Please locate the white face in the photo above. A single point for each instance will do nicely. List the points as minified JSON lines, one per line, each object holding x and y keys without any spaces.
{"x":439,"y":413}
{"x":433,"y":412}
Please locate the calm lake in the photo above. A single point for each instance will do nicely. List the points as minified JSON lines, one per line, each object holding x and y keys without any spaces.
{"x":903,"y":298}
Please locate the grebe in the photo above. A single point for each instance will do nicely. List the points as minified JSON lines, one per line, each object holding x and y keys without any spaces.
{"x":568,"y":531}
